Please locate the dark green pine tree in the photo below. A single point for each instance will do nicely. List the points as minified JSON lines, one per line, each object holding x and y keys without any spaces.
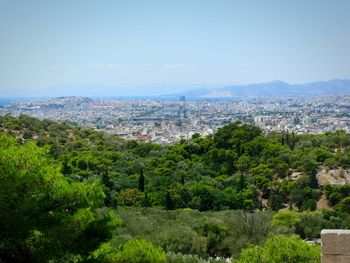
{"x":141,"y":182}
{"x":182,"y":179}
{"x":287,"y":139}
{"x":169,"y":204}
{"x":66,"y":170}
{"x":108,"y":184}
{"x":293,"y":140}
{"x":241,"y":183}
{"x":313,"y":180}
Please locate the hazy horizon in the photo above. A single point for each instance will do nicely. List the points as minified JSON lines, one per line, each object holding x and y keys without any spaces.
{"x":151,"y":48}
{"x":175,"y":90}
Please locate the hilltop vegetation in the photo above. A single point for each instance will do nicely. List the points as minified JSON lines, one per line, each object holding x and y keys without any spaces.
{"x":73,"y":194}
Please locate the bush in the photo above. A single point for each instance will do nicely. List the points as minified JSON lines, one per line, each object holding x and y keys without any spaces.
{"x":278,"y":248}
{"x":312,"y":223}
{"x":140,"y":251}
{"x":132,"y":251}
{"x":181,"y":258}
{"x":285,"y":221}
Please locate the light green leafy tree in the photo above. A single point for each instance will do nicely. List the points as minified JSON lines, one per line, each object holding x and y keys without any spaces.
{"x":132,"y":251}
{"x":285,"y":221}
{"x":278,"y":249}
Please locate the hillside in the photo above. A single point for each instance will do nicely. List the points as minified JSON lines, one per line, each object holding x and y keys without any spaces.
{"x":274,"y":89}
{"x":236,"y":168}
{"x":67,"y":176}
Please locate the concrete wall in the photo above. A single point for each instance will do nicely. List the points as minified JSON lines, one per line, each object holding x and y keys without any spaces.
{"x":335,"y":246}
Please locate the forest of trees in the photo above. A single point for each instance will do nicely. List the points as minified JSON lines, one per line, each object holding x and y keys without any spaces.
{"x":73,"y":194}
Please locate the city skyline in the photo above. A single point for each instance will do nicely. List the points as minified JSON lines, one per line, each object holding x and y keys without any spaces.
{"x":168,"y":121}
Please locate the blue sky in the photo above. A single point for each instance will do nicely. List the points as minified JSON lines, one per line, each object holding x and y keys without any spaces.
{"x":156,"y":47}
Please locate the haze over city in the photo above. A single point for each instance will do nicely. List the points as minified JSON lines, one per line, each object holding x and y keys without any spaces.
{"x":152,"y":48}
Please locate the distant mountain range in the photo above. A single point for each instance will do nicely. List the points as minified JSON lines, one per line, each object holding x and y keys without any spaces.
{"x":273,"y":89}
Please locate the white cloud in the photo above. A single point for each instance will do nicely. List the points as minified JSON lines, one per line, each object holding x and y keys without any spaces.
{"x":174,"y":66}
{"x":105,"y":66}
{"x":52,"y":67}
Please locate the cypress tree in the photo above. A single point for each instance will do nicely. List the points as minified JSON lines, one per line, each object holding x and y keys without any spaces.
{"x":241,"y":181}
{"x":141,"y":182}
{"x":169,"y":204}
{"x":293,"y":140}
{"x":182,"y":179}
{"x":287,"y":138}
{"x":313,"y":180}
{"x":65,"y":168}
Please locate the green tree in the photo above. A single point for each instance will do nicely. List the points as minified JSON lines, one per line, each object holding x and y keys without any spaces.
{"x":44,"y":216}
{"x":130,"y":197}
{"x":169,"y":204}
{"x":344,"y":205}
{"x":276,"y":201}
{"x":286,"y":220}
{"x":278,"y":248}
{"x":141,"y":181}
{"x":132,"y":251}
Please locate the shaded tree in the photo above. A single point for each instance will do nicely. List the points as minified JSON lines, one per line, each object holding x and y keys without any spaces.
{"x":141,"y":181}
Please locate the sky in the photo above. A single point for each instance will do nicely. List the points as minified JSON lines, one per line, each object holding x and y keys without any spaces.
{"x":129,"y":48}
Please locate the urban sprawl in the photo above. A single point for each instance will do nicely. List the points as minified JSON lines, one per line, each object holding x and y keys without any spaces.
{"x":168,"y":121}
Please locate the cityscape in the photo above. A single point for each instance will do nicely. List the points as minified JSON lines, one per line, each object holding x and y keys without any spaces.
{"x":167,"y":121}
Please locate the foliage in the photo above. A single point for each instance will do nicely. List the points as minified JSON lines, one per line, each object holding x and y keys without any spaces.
{"x":43,"y":214}
{"x":132,"y":251}
{"x":311,"y":223}
{"x":285,"y":218}
{"x":140,"y":251}
{"x":205,"y":234}
{"x":288,"y":249}
{"x":236,"y":168}
{"x":181,"y":258}
{"x":61,"y":186}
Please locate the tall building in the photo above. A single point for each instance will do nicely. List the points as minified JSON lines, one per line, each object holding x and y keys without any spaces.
{"x":182,"y":110}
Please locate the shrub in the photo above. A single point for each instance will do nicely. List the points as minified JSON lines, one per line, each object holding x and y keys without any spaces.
{"x":181,"y":258}
{"x":278,"y":248}
{"x":133,"y":251}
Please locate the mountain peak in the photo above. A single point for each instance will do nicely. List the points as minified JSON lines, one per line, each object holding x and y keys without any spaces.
{"x":276,"y":88}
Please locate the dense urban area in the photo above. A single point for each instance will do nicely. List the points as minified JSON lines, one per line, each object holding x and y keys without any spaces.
{"x":165,"y":121}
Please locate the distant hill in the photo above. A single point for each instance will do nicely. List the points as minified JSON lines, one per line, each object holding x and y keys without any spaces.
{"x":273,"y":89}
